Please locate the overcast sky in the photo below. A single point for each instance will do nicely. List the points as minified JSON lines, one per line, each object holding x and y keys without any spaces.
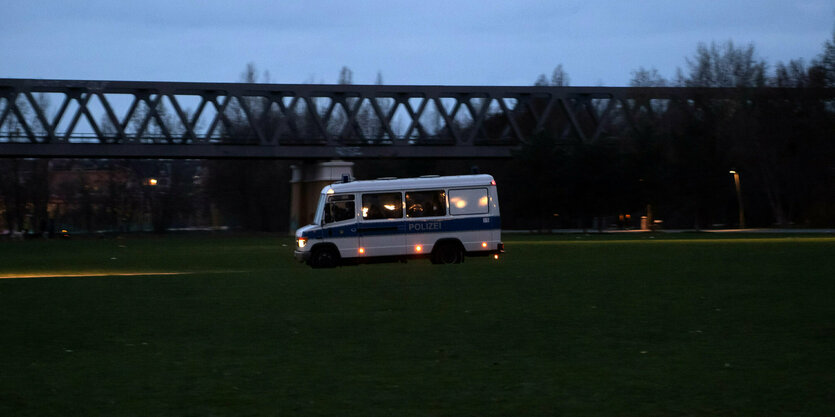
{"x":410,"y":42}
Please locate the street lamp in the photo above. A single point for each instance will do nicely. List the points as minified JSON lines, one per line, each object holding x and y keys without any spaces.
{"x":739,"y":199}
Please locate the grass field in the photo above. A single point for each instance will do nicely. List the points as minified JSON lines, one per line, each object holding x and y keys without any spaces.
{"x":636,"y":325}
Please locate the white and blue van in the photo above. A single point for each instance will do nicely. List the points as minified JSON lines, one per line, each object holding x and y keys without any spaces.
{"x":442,"y":218}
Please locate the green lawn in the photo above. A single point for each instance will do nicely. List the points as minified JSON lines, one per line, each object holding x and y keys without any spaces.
{"x":626,"y":325}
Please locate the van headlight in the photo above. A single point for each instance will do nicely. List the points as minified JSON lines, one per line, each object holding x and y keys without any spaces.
{"x":301,"y":242}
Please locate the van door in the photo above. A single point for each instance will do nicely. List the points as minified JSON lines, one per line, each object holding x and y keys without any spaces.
{"x":382,"y":231}
{"x":339,"y":224}
{"x":425,"y":220}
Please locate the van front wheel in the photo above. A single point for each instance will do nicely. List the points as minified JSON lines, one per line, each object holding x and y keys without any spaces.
{"x":447,"y":253}
{"x":324,"y":257}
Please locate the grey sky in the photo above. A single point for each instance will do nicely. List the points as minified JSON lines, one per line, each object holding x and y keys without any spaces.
{"x":428,"y":42}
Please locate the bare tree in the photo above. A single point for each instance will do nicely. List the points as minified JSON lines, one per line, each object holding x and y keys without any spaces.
{"x":791,"y":75}
{"x":559,"y":78}
{"x":827,"y":61}
{"x":725,"y":65}
{"x":346,"y":76}
{"x":643,"y":77}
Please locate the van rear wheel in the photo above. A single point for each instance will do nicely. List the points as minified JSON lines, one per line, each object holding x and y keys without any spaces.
{"x":448,"y":253}
{"x":324,"y":257}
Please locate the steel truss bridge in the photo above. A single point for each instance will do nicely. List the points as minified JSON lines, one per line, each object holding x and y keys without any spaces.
{"x":127,"y":119}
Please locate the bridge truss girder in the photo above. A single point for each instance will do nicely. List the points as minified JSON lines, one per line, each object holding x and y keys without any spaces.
{"x":125,"y":119}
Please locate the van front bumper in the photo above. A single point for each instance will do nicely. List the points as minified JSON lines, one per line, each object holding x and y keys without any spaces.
{"x":301,"y":256}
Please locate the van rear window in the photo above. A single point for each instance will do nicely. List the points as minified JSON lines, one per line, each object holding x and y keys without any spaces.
{"x":468,"y":201}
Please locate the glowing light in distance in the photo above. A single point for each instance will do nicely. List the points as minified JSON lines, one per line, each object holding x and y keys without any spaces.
{"x":458,"y":202}
{"x":482,"y":201}
{"x":365,"y":212}
{"x":361,"y":250}
{"x":418,"y":248}
{"x":496,"y":256}
{"x":152,"y":181}
{"x":483,"y":244}
{"x":101,"y":274}
{"x":389,"y":206}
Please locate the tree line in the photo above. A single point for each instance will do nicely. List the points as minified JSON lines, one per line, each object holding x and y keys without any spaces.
{"x":676,"y":164}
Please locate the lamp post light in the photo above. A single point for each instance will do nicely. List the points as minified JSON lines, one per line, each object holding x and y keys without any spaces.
{"x":739,"y":199}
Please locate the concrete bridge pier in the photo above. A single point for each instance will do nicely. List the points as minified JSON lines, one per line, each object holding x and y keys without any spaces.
{"x":306,"y":183}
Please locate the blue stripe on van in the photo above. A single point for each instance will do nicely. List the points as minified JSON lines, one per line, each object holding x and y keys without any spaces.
{"x":408,"y":226}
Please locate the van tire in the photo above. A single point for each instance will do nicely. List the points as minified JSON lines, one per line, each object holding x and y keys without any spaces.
{"x":448,"y":253}
{"x":324,"y":257}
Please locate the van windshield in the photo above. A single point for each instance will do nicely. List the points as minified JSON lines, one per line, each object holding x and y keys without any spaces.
{"x":320,"y":208}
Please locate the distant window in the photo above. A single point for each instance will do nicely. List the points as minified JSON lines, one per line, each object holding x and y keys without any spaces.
{"x":469,"y":201}
{"x":339,"y":208}
{"x":425,"y":203}
{"x":382,"y":206}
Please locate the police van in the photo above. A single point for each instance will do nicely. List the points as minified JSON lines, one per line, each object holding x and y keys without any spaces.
{"x":444,"y":218}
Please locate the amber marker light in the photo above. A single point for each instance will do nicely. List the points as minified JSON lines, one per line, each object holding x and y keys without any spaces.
{"x":496,"y":256}
{"x":418,"y":248}
{"x":483,"y":244}
{"x":361,"y":251}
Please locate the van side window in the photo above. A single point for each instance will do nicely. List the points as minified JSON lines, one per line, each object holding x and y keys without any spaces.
{"x":468,"y":201}
{"x":339,"y":207}
{"x":425,"y":203}
{"x":382,"y":206}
